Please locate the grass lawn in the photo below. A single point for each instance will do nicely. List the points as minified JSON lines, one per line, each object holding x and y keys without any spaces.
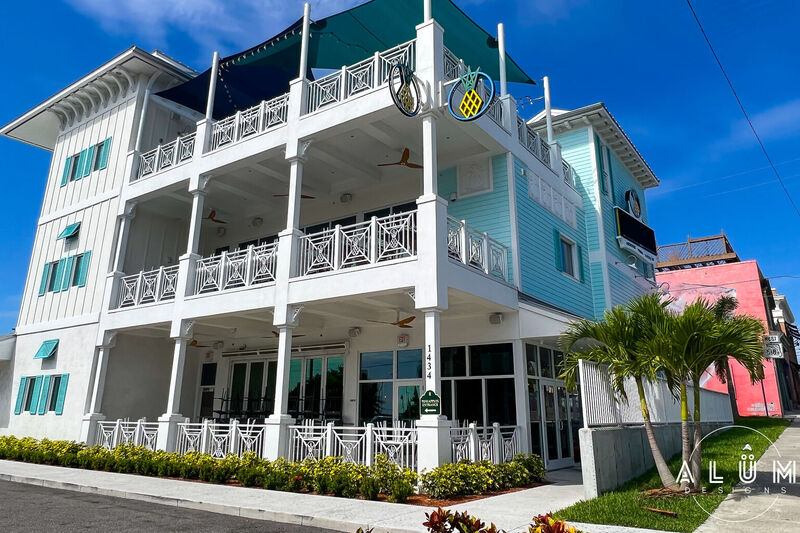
{"x":625,"y":506}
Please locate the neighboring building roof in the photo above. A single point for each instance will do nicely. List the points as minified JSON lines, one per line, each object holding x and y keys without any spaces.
{"x":782,"y":311}
{"x":698,"y":252}
{"x":7,"y":344}
{"x":609,"y":130}
{"x":41,"y":125}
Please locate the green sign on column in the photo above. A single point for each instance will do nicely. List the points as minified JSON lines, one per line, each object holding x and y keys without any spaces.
{"x":430,"y":403}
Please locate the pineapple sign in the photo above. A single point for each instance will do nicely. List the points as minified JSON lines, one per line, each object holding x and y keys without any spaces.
{"x":472,"y":105}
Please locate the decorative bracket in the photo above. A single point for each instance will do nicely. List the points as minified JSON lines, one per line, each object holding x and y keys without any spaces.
{"x":186,"y":330}
{"x":294,"y":310}
{"x":412,"y":294}
{"x":109,"y":340}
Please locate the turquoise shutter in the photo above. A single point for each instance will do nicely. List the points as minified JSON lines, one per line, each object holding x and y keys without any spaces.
{"x":62,"y":392}
{"x":45,"y":279}
{"x":610,"y":172}
{"x":43,"y":395}
{"x":58,"y":275}
{"x":598,"y":150}
{"x":20,"y":395}
{"x":87,"y":165}
{"x":580,"y":265}
{"x":557,"y":248}
{"x":102,"y":159}
{"x":37,"y":385}
{"x":83,"y":268}
{"x":67,"y":168}
{"x":66,"y":279}
{"x":79,"y":167}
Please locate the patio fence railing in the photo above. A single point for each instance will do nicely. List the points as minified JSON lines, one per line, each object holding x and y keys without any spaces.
{"x":112,"y":433}
{"x":494,"y":443}
{"x":218,"y":440}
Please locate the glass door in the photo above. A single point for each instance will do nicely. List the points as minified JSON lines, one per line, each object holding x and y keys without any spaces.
{"x":247,"y":384}
{"x":407,"y":401}
{"x":557,"y":425}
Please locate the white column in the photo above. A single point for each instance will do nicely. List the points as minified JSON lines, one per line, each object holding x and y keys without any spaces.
{"x":430,"y":170}
{"x":304,"y":41}
{"x":276,"y":434}
{"x":521,"y":395}
{"x":433,"y":431}
{"x":295,"y":190}
{"x":212,"y":87}
{"x":93,"y":414}
{"x":198,"y":199}
{"x":501,"y":50}
{"x":111,"y":295}
{"x":433,"y":375}
{"x":168,"y":422}
{"x":188,"y":261}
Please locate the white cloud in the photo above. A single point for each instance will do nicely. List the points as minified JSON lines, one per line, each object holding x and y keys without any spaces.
{"x":779,"y":122}
{"x":226,"y":25}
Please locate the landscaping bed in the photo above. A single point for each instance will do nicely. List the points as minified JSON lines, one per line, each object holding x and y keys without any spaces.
{"x":626,"y":506}
{"x":383,"y":480}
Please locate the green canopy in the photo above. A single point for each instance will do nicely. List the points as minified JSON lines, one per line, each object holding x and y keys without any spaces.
{"x":264,"y":71}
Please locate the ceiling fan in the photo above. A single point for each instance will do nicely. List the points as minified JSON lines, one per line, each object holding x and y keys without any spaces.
{"x":303,"y":196}
{"x":212,"y":216}
{"x":403,"y":161}
{"x":405,"y":323}
{"x":194,"y":344}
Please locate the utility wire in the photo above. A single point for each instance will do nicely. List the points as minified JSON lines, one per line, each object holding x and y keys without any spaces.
{"x":741,"y":106}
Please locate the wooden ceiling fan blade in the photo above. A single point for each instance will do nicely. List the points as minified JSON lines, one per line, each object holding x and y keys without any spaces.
{"x":380,"y":322}
{"x":307,"y":197}
{"x":413,"y":165}
{"x":390,"y":164}
{"x":279,"y":195}
{"x":405,"y":326}
{"x":405,"y":321}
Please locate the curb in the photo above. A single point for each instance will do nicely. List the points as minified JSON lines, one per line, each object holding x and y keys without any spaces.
{"x":244,"y":512}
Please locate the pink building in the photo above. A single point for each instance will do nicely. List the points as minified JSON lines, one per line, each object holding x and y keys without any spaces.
{"x":709,"y":268}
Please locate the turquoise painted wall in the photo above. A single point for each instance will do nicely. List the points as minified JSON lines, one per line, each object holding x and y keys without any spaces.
{"x":488,"y":211}
{"x":540,"y":277}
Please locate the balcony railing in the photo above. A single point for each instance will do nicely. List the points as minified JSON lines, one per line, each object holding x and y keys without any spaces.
{"x":373,"y":241}
{"x":243,"y":268}
{"x":148,"y":287}
{"x":111,"y":434}
{"x":356,"y":79}
{"x":453,"y":66}
{"x":476,"y":249}
{"x":262,"y":117}
{"x":166,"y":156}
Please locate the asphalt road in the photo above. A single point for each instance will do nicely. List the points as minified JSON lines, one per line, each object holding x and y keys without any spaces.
{"x":26,"y":508}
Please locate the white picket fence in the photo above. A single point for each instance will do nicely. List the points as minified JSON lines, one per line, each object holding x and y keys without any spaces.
{"x":494,"y":443}
{"x":219,"y":440}
{"x":601,"y":407}
{"x":112,"y":433}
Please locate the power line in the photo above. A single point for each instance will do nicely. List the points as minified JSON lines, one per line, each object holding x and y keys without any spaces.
{"x":721,"y":285}
{"x":741,"y":106}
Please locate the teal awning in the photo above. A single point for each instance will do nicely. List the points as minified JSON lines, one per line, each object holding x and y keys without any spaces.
{"x":69,"y":231}
{"x":264,"y":71}
{"x":47,"y":349}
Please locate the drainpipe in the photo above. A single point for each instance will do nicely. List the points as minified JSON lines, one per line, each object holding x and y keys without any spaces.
{"x":304,"y":41}
{"x":501,"y":50}
{"x":212,"y":87}
{"x":547,"y":111}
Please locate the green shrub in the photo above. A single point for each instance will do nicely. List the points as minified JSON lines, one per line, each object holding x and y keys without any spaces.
{"x":464,"y":478}
{"x":250,"y":476}
{"x":533,"y":464}
{"x":400,"y":491}
{"x":370,"y":488}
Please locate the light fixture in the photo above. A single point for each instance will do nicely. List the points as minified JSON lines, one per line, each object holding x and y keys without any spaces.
{"x":402,"y":341}
{"x":524,"y":172}
{"x":346,"y":198}
{"x":496,"y":318}
{"x":453,"y":196}
{"x":257,"y":221}
{"x":354,"y":332}
{"x":220,"y":231}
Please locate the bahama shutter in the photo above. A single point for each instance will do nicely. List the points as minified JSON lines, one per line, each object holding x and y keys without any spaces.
{"x":581,"y":274}
{"x":37,"y":386}
{"x":66,"y":279}
{"x":43,"y":395}
{"x":557,"y":249}
{"x":45,"y":278}
{"x":20,"y":395}
{"x":87,"y":165}
{"x":58,"y":275}
{"x":610,"y":172}
{"x":102,"y":159}
{"x":83,"y":268}
{"x":62,"y":393}
{"x":598,"y":150}
{"x":79,"y":166}
{"x":67,"y":168}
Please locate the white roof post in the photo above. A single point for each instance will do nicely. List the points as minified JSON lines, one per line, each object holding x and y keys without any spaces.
{"x":547,"y":111}
{"x":501,"y":50}
{"x":212,"y":86}
{"x":304,"y":41}
{"x":427,"y":10}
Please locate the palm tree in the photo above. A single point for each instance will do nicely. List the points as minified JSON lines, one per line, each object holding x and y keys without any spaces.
{"x":629,"y":341}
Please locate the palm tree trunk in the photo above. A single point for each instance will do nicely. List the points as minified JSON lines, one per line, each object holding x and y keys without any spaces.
{"x":667,"y":479}
{"x":698,"y":433}
{"x":731,"y":389}
{"x":685,"y":440}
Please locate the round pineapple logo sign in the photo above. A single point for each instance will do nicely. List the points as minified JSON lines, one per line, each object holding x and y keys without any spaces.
{"x":472,"y":105}
{"x":754,"y":485}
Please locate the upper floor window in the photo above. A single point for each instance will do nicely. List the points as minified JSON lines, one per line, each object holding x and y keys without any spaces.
{"x":567,"y":257}
{"x":82,"y":164}
{"x":67,"y":272}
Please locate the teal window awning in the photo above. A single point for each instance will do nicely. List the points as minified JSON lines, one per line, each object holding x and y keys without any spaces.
{"x":47,"y":349}
{"x":70,"y":231}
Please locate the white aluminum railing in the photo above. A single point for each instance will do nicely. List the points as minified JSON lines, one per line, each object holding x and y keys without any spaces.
{"x":243,"y":268}
{"x":601,"y":407}
{"x":152,"y":286}
{"x":251,"y":121}
{"x":373,"y":241}
{"x":494,"y":443}
{"x":166,"y":156}
{"x":111,"y":434}
{"x":355,"y":444}
{"x":453,"y":66}
{"x":219,"y":440}
{"x":476,"y":249}
{"x":350,"y":81}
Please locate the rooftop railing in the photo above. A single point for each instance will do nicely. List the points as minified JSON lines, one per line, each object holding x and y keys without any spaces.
{"x":254,"y":120}
{"x":166,"y":156}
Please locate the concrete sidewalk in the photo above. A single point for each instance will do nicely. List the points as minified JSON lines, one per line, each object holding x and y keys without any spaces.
{"x":512,"y":511}
{"x":739,"y":513}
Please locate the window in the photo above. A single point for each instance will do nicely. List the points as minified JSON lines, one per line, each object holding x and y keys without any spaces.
{"x":82,"y":164}
{"x":569,"y":256}
{"x":77,"y":166}
{"x":54,"y":388}
{"x":567,"y":259}
{"x":409,"y":364}
{"x":376,"y":365}
{"x":386,"y":374}
{"x":32,"y":389}
{"x":67,"y":272}
{"x":40,"y":394}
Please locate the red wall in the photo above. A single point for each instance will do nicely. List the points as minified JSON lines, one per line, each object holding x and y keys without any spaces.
{"x":742,"y":281}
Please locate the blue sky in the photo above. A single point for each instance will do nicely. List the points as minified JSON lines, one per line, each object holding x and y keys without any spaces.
{"x":646,"y":60}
